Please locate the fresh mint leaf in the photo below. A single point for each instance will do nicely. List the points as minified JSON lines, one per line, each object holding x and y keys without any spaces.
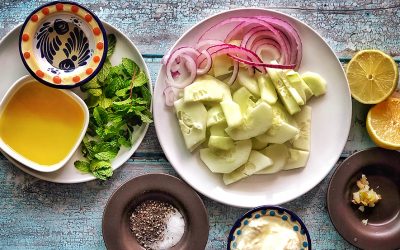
{"x":112,"y":41}
{"x":130,"y":66}
{"x":124,"y":142}
{"x":82,"y":166}
{"x":92,"y":101}
{"x":96,"y":165}
{"x":100,"y":116}
{"x":122,"y":92}
{"x":103,"y":173}
{"x":105,"y":156}
{"x":94,"y":92}
{"x":104,"y":71}
{"x":92,"y":84}
{"x":140,"y":79}
{"x":105,"y":102}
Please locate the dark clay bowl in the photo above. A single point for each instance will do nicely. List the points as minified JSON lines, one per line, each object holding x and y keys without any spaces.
{"x":116,"y":232}
{"x":382,"y":169}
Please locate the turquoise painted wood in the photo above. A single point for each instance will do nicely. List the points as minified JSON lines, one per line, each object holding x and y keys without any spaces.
{"x":39,"y":215}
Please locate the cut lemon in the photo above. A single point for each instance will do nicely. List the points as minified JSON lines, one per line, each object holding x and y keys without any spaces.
{"x":383,"y":123}
{"x":372,"y":76}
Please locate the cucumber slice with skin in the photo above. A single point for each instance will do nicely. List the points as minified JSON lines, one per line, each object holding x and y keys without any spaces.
{"x":297,"y":159}
{"x":267,"y":89}
{"x":279,"y":154}
{"x":243,"y":97}
{"x":226,"y":161}
{"x":256,"y":162}
{"x":303,"y":120}
{"x":232,"y":113}
{"x":192,"y":118}
{"x":291,"y":89}
{"x":206,"y":88}
{"x":316,"y":83}
{"x":220,"y":142}
{"x":256,"y":121}
{"x":250,"y":82}
{"x":215,"y":116}
{"x":297,"y":82}
{"x":287,"y":99}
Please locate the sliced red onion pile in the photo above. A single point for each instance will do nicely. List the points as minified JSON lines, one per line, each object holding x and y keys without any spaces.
{"x":257,"y":35}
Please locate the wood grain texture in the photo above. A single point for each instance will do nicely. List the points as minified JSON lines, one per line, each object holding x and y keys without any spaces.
{"x":155,"y":25}
{"x":41,"y":215}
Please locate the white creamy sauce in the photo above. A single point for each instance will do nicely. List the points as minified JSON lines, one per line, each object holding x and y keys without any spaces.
{"x":268,"y":233}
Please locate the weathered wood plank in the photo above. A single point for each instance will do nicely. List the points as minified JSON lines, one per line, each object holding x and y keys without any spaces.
{"x":41,"y":215}
{"x":155,"y":25}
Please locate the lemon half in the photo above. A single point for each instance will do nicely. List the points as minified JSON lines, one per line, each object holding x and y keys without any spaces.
{"x":372,"y":76}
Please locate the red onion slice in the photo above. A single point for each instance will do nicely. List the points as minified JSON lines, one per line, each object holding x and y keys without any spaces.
{"x":267,"y":65}
{"x":169,"y":96}
{"x":202,"y":71}
{"x":235,"y":73}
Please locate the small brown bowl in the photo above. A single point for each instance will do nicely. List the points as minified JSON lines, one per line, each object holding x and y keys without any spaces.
{"x":382,"y":169}
{"x":116,"y":231}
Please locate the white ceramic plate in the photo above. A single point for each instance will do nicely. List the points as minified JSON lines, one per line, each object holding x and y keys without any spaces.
{"x":11,"y":68}
{"x":331,"y":119}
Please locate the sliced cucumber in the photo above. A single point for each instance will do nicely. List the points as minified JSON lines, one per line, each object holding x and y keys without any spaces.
{"x":316,"y":83}
{"x":287,"y":99}
{"x":267,"y":89}
{"x":232,"y":113}
{"x":244,"y":98}
{"x":256,"y":121}
{"x":218,"y":130}
{"x":206,"y":88}
{"x":258,"y":144}
{"x":297,"y":159}
{"x":225,"y":161}
{"x":220,"y":142}
{"x":280,"y":132}
{"x":192,"y":118}
{"x":255,"y":163}
{"x":215,"y":116}
{"x":248,"y":81}
{"x":303,"y":120}
{"x":222,"y":65}
{"x":297,"y":82}
{"x":279,"y":154}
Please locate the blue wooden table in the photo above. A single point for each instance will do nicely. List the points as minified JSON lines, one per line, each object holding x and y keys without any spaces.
{"x":39,"y":215}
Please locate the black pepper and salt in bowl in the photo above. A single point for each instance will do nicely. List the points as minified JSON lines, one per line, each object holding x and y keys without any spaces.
{"x":155,"y":211}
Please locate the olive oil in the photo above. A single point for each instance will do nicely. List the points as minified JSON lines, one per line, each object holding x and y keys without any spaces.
{"x":41,"y":124}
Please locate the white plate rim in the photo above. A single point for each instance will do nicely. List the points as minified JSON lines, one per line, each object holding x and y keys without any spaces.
{"x":158,"y":129}
{"x":143,"y":129}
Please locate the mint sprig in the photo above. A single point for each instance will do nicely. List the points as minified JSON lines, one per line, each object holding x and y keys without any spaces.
{"x":118,"y":100}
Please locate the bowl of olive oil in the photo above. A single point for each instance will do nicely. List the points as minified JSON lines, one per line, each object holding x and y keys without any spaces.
{"x":41,"y":127}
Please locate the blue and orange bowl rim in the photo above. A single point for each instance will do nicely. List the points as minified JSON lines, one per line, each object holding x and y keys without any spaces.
{"x":87,"y":79}
{"x":293,"y":216}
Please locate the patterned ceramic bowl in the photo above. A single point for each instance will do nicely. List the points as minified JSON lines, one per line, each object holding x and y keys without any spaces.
{"x":63,"y":44}
{"x":273,"y":214}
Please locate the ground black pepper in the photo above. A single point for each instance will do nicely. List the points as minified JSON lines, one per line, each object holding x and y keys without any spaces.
{"x":148,"y":221}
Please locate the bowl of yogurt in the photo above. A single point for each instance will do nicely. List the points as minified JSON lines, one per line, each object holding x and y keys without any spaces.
{"x":269,"y":227}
